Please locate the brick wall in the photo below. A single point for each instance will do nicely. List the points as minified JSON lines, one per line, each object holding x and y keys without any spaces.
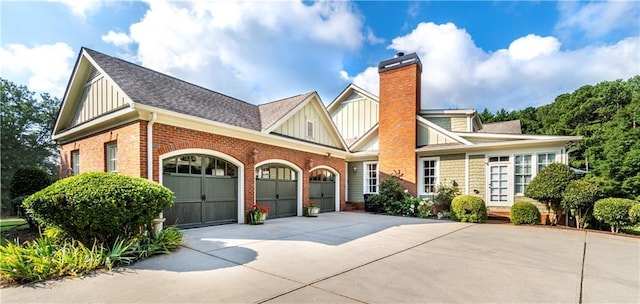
{"x":168,"y":138}
{"x":93,"y":155}
{"x":399,"y":104}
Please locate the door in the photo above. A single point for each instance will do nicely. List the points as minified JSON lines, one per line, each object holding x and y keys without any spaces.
{"x":322,"y":189}
{"x":277,"y":187}
{"x":206,"y":190}
{"x":498,"y":181}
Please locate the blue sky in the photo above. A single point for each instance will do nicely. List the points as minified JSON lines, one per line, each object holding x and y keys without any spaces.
{"x":475,"y":54}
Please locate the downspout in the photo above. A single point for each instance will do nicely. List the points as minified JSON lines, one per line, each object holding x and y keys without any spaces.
{"x":157,"y":222}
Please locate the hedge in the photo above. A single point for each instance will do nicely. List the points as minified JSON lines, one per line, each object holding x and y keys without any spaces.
{"x":469,"y":208}
{"x":524,"y":213}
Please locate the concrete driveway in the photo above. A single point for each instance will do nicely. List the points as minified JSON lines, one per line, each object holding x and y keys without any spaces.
{"x":355,"y":257}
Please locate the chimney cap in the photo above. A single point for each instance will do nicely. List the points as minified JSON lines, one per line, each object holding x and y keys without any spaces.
{"x":400,"y":60}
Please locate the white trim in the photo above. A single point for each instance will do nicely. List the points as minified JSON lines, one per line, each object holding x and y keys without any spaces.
{"x":213,"y":153}
{"x":433,"y":112}
{"x":346,"y":181}
{"x":337,"y":184}
{"x":364,"y":139}
{"x":421,"y":176}
{"x":512,"y":136}
{"x":510,"y":170}
{"x":200,"y":124}
{"x":150,"y":123}
{"x":365,"y":177}
{"x":346,"y":92}
{"x":292,"y":166}
{"x":312,"y":124}
{"x":504,"y":145}
{"x":97,"y":121}
{"x":443,"y":131}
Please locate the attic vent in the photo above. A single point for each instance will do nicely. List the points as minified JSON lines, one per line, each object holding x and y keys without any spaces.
{"x":93,"y":74}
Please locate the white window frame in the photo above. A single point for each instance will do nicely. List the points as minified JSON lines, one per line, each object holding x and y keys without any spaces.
{"x":75,"y":162}
{"x":510,"y":178}
{"x":366,"y":178}
{"x":311,"y":126}
{"x":531,"y":171}
{"x":111,"y":154}
{"x":546,"y":154}
{"x":421,"y":175}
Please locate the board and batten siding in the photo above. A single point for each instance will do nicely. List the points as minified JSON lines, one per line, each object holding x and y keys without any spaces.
{"x":455,"y":124}
{"x":452,"y":169}
{"x":372,"y":145}
{"x":355,"y":116}
{"x":296,"y":126}
{"x":355,"y":182}
{"x":429,"y":136}
{"x":99,"y":97}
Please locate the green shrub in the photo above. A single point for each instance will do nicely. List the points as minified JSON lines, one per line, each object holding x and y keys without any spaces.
{"x":614,"y":212}
{"x":444,"y":196}
{"x":425,"y":208}
{"x":390,"y":195}
{"x":634,"y":214}
{"x":24,"y":182}
{"x":579,"y":197}
{"x":100,"y":206}
{"x":47,"y":258}
{"x":524,"y":213}
{"x":548,"y":185}
{"x":469,"y":208}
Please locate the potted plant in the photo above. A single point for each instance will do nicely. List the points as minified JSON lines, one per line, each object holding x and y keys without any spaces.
{"x":258,"y":214}
{"x":313,"y":209}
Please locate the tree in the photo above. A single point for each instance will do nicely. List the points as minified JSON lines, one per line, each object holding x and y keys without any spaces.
{"x":27,"y":122}
{"x":579,"y":197}
{"x":548,"y":185}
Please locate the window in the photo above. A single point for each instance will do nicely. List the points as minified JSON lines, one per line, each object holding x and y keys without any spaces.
{"x":310,"y":128}
{"x":75,"y":162}
{"x":523,"y":172}
{"x":275,"y":171}
{"x":544,"y":159}
{"x":112,"y":157}
{"x":370,"y":177}
{"x":429,"y":175}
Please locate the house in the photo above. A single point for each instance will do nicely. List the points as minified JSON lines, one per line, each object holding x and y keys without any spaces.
{"x":220,"y":154}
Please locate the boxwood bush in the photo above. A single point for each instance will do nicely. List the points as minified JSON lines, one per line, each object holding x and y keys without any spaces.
{"x":469,"y":208}
{"x":613,"y":211}
{"x":524,"y":213}
{"x":100,"y":206}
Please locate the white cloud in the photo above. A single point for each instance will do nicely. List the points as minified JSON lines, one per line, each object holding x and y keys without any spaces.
{"x":597,"y":19}
{"x":43,"y":68}
{"x":117,"y":39}
{"x":532,"y":71}
{"x":372,"y":38}
{"x":81,"y":7}
{"x":255,"y":51}
{"x":532,"y":46}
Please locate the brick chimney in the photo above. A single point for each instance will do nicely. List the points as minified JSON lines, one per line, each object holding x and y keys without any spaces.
{"x":399,"y":105}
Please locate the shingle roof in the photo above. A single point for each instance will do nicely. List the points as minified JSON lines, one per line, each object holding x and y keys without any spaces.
{"x":503,"y":127}
{"x":271,"y":112}
{"x":155,"y":89}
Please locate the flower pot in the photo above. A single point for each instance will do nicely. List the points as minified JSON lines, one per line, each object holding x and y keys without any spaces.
{"x":313,"y":211}
{"x":257,"y":218}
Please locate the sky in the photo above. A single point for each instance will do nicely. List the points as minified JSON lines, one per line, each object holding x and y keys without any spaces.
{"x":474,"y":55}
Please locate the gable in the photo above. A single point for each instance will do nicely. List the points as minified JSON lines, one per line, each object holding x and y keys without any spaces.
{"x":91,"y":94}
{"x":430,"y":133}
{"x":309,"y":113}
{"x":355,"y":115}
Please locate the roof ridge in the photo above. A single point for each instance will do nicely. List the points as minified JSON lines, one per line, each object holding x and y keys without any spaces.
{"x":166,"y":75}
{"x":283,"y":99}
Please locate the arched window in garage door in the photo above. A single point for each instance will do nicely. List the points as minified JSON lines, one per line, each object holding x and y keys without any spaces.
{"x":322,"y":189}
{"x":206,"y":190}
{"x":276,"y":187}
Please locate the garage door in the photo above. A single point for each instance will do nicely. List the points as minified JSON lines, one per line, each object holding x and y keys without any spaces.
{"x":206,"y":190}
{"x":322,"y":189}
{"x":277,"y":187}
